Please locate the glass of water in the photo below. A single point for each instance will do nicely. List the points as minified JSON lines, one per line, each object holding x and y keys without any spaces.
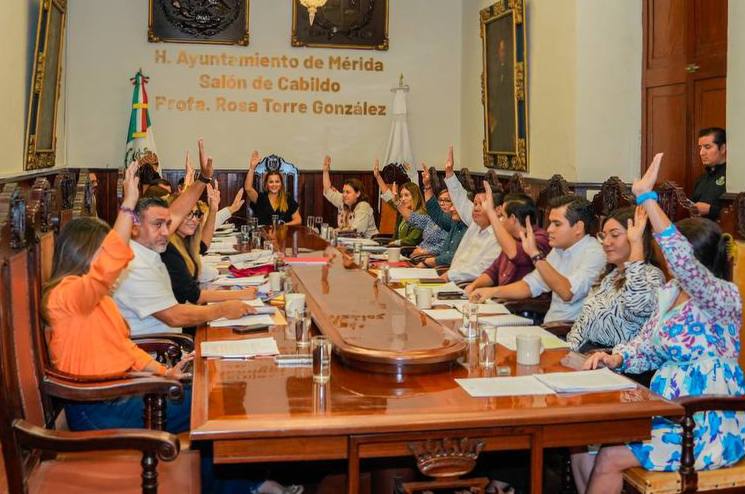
{"x":471,"y":320}
{"x":319,"y":222}
{"x":269,"y":245}
{"x":320,"y":348}
{"x":302,"y":327}
{"x":310,"y":221}
{"x":487,"y":346}
{"x":255,"y":240}
{"x":245,"y":233}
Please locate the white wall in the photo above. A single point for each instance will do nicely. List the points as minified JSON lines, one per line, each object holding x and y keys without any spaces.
{"x":425,"y":45}
{"x":736,"y":97}
{"x":584,"y":87}
{"x":17,"y":23}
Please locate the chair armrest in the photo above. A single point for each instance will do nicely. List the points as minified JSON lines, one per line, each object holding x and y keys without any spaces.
{"x":166,"y":351}
{"x":694,"y":404}
{"x":536,"y":307}
{"x":69,"y":387}
{"x":185,"y":341}
{"x":166,"y":445}
{"x":558,"y":328}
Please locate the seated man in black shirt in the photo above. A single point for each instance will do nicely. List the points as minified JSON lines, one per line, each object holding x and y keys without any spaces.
{"x":712,"y":148}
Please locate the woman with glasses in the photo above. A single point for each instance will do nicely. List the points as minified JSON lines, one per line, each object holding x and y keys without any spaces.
{"x":355,"y":215}
{"x":182,"y":257}
{"x":413,"y":225}
{"x":618,"y":307}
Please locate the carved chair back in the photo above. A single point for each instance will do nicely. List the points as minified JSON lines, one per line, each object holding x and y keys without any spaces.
{"x":64,"y":192}
{"x":436,"y":181}
{"x":613,"y":194}
{"x":394,"y":173}
{"x":673,"y":201}
{"x":555,"y":187}
{"x":465,"y":178}
{"x":85,"y":196}
{"x":516,"y":184}
{"x":493,"y":179}
{"x":290,"y":174}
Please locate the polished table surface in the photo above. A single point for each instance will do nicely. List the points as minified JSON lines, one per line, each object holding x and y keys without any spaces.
{"x":254,"y":411}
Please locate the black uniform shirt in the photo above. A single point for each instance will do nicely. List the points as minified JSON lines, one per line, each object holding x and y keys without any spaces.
{"x":709,"y":188}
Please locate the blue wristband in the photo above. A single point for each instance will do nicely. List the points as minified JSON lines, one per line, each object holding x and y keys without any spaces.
{"x":647,"y":195}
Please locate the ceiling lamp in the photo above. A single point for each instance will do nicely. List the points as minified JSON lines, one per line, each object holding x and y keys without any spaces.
{"x":312,"y":6}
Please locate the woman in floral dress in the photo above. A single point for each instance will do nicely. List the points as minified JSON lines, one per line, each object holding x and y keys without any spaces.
{"x":692,"y":340}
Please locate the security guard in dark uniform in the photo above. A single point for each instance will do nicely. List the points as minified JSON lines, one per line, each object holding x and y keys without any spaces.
{"x":712,"y":148}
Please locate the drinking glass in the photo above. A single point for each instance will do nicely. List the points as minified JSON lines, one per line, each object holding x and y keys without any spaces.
{"x":325,"y":231}
{"x":245,"y":233}
{"x":320,"y":348}
{"x":487,"y":346}
{"x":269,"y":245}
{"x":255,"y":240}
{"x":364,"y":261}
{"x":309,"y":222}
{"x":302,"y":327}
{"x":319,"y":221}
{"x":275,"y":222}
{"x":254,"y":223}
{"x":411,"y":292}
{"x":471,"y":320}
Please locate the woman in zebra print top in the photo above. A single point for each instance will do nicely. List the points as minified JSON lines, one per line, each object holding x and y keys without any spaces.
{"x":625,"y":298}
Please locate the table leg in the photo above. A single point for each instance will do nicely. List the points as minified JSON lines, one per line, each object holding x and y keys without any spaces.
{"x":536,"y":463}
{"x":353,"y":467}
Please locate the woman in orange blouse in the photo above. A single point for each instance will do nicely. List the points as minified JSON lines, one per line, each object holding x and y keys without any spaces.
{"x":89,"y":335}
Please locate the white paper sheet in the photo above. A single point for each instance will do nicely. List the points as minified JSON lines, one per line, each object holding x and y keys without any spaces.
{"x":505,"y":320}
{"x":254,"y":319}
{"x":398,"y":274}
{"x":506,"y":336}
{"x":586,"y":381}
{"x":443,"y":314}
{"x":361,"y":241}
{"x":482,"y":387}
{"x":239,"y":348}
{"x":250,"y":256}
{"x":247,"y":281}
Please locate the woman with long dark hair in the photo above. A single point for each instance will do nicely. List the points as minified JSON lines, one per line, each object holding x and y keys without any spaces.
{"x":355,"y":213}
{"x":274,"y":200}
{"x":616,"y":309}
{"x":692,"y":340}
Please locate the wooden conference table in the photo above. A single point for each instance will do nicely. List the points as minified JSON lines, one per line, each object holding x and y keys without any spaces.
{"x":254,"y":411}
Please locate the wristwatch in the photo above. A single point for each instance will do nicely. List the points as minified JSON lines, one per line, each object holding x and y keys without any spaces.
{"x":203,"y":179}
{"x":537,"y":257}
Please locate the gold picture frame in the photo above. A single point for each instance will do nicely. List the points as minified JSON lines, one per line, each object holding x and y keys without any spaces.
{"x":355,"y":24}
{"x":216,"y":23}
{"x":41,"y":128}
{"x":504,"y":85}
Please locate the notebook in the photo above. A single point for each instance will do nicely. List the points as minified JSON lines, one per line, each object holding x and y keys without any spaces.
{"x":239,"y":348}
{"x":505,"y":320}
{"x":250,"y":320}
{"x":247,"y":281}
{"x":398,"y":274}
{"x":482,"y":387}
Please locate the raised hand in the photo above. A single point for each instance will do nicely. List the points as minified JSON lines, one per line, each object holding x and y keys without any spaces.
{"x":213,"y":196}
{"x":327,"y":163}
{"x":488,"y":202}
{"x":202,"y":154}
{"x":528,"y":239}
{"x":635,"y":228}
{"x":255,"y":159}
{"x":188,"y":170}
{"x":449,"y":171}
{"x":376,"y":169}
{"x":237,"y":202}
{"x":646,"y":183}
{"x":426,"y":178}
{"x":131,"y":185}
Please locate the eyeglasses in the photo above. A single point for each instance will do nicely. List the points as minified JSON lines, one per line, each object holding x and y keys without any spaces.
{"x":196,"y":215}
{"x":611,"y":234}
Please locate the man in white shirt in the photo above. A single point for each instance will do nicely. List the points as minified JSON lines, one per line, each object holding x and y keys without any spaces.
{"x":569,"y":270}
{"x":479,"y":247}
{"x":144,"y":294}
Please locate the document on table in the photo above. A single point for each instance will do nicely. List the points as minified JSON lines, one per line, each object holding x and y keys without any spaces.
{"x":252,"y":347}
{"x":443,"y":314}
{"x":250,"y":320}
{"x":246,"y":281}
{"x":398,"y":274}
{"x":482,"y":387}
{"x":506,"y":336}
{"x":505,"y":320}
{"x":351,"y":241}
{"x":586,"y":381}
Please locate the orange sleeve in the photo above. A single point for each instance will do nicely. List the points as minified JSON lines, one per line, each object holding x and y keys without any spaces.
{"x":81,"y":294}
{"x":140,"y":358}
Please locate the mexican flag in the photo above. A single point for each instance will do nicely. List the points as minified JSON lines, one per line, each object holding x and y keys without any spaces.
{"x":140,"y":138}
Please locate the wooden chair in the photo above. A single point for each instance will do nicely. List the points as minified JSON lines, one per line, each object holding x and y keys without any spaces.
{"x":27,"y":384}
{"x":289,"y":173}
{"x":85,"y":197}
{"x":555,"y":187}
{"x":613,"y":194}
{"x":673,"y":201}
{"x":516,"y":184}
{"x":465,"y":178}
{"x":493,"y":179}
{"x":687,"y":480}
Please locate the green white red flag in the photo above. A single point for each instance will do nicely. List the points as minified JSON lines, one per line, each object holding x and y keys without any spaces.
{"x":140,"y":137}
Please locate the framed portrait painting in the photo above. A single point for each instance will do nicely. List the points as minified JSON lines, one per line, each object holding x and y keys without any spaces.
{"x":223,"y":22}
{"x":504,"y":86}
{"x":360,"y":24}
